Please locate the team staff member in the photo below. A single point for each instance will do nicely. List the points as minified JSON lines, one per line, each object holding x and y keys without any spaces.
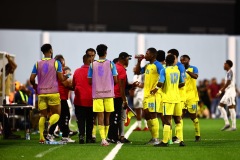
{"x":102,"y":75}
{"x":48,"y":71}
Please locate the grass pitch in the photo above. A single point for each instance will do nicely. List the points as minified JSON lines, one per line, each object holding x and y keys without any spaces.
{"x":214,"y":145}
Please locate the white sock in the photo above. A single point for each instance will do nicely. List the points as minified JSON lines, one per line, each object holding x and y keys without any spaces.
{"x":145,"y":123}
{"x":233,"y":117}
{"x":224,"y":114}
{"x":139,"y":124}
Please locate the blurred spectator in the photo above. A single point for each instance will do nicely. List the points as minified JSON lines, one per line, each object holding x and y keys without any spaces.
{"x":214,"y":89}
{"x":205,"y":93}
{"x":202,"y":111}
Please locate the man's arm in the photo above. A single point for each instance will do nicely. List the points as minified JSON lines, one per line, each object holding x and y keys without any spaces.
{"x":223,"y":88}
{"x":11,"y":63}
{"x":193,"y":75}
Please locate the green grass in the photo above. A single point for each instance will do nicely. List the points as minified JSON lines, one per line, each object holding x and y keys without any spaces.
{"x":215,"y":145}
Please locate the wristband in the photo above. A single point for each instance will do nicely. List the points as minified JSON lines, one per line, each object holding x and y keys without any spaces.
{"x":220,"y":92}
{"x":157,"y":87}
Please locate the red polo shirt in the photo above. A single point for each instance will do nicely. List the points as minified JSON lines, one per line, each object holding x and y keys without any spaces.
{"x":63,"y":91}
{"x":122,"y":75}
{"x":83,"y":90}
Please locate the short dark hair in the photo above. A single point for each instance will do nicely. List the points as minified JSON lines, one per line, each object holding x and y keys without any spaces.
{"x":58,"y":57}
{"x":91,"y":50}
{"x":115,"y":60}
{"x":46,"y":47}
{"x":101,"y":49}
{"x":229,"y":62}
{"x":85,"y":57}
{"x":152,"y":51}
{"x":174,"y":52}
{"x":170,"y":59}
{"x":160,"y":55}
{"x":186,"y":56}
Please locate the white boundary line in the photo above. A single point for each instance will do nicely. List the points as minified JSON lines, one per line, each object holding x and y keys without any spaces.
{"x":115,"y":150}
{"x":40,"y":155}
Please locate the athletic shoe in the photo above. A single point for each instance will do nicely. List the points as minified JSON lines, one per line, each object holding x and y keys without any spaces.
{"x":153,"y":141}
{"x":124,"y":140}
{"x":104,"y":143}
{"x":175,"y":140}
{"x":81,"y":140}
{"x":50,"y":138}
{"x":112,"y":141}
{"x":41,"y":141}
{"x":93,"y":140}
{"x":56,"y":134}
{"x":145,"y":129}
{"x":170,"y":141}
{"x":161,"y":144}
{"x":225,"y":127}
{"x":137,"y":129}
{"x":68,"y":140}
{"x":182,"y":144}
{"x":197,"y":138}
{"x":72,"y":133}
{"x":231,"y":129}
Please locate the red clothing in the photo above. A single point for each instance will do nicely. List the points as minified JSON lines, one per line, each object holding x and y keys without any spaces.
{"x":63,"y":91}
{"x":214,"y":90}
{"x":83,"y":90}
{"x":122,"y":75}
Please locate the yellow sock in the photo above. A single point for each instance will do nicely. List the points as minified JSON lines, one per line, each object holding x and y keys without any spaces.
{"x":196,"y":126}
{"x":149,"y":123}
{"x":106,"y":130}
{"x":41,"y":126}
{"x":102,"y":131}
{"x":94,"y":131}
{"x":53,"y":119}
{"x":179,"y":131}
{"x":166,"y":132}
{"x":155,"y":128}
{"x":176,"y":133}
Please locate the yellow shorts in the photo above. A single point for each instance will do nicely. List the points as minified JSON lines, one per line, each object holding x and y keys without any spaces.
{"x":174,"y":109}
{"x":153,"y":103}
{"x":45,"y":100}
{"x":191,"y":106}
{"x":101,"y":105}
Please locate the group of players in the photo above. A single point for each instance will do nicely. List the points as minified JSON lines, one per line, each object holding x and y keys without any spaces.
{"x":170,"y":90}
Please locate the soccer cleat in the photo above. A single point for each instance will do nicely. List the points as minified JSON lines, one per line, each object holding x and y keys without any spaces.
{"x":170,"y":141}
{"x":145,"y":129}
{"x":137,"y":129}
{"x":50,"y":138}
{"x":68,"y":140}
{"x":161,"y":144}
{"x":225,"y":127}
{"x":124,"y":140}
{"x":72,"y":133}
{"x":197,"y":138}
{"x":175,"y":140}
{"x":182,"y":144}
{"x":153,"y":141}
{"x":231,"y":129}
{"x":56,"y":134}
{"x":41,"y":141}
{"x":104,"y":143}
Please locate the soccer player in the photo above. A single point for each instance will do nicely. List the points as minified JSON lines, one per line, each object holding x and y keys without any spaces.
{"x":182,"y":92}
{"x":152,"y":96}
{"x":48,"y":71}
{"x":171,"y":81}
{"x":102,"y":75}
{"x":191,"y":93}
{"x":228,"y":98}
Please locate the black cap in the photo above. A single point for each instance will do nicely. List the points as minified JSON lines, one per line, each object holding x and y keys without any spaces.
{"x":124,"y":55}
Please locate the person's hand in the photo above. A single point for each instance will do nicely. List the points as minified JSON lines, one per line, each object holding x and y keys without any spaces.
{"x":140,"y":57}
{"x":125,"y":105}
{"x":219,"y":93}
{"x":8,"y":56}
{"x":135,"y":84}
{"x":154,"y":91}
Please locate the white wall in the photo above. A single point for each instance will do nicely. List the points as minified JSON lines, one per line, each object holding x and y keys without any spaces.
{"x":207,"y":52}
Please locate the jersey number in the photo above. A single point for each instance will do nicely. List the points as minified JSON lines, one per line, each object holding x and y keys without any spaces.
{"x":174,"y":77}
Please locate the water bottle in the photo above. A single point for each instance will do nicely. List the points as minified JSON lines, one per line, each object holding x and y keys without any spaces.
{"x":139,"y":56}
{"x":60,"y":135}
{"x":28,"y":136}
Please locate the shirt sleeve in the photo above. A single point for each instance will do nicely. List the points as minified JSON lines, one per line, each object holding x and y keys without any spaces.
{"x":181,"y":68}
{"x":114,"y":70}
{"x":159,"y":67}
{"x":230,"y":75}
{"x":90,"y":71}
{"x":34,"y":70}
{"x":195,"y":70}
{"x":162,"y":76}
{"x":142,"y":70}
{"x":58,"y":66}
